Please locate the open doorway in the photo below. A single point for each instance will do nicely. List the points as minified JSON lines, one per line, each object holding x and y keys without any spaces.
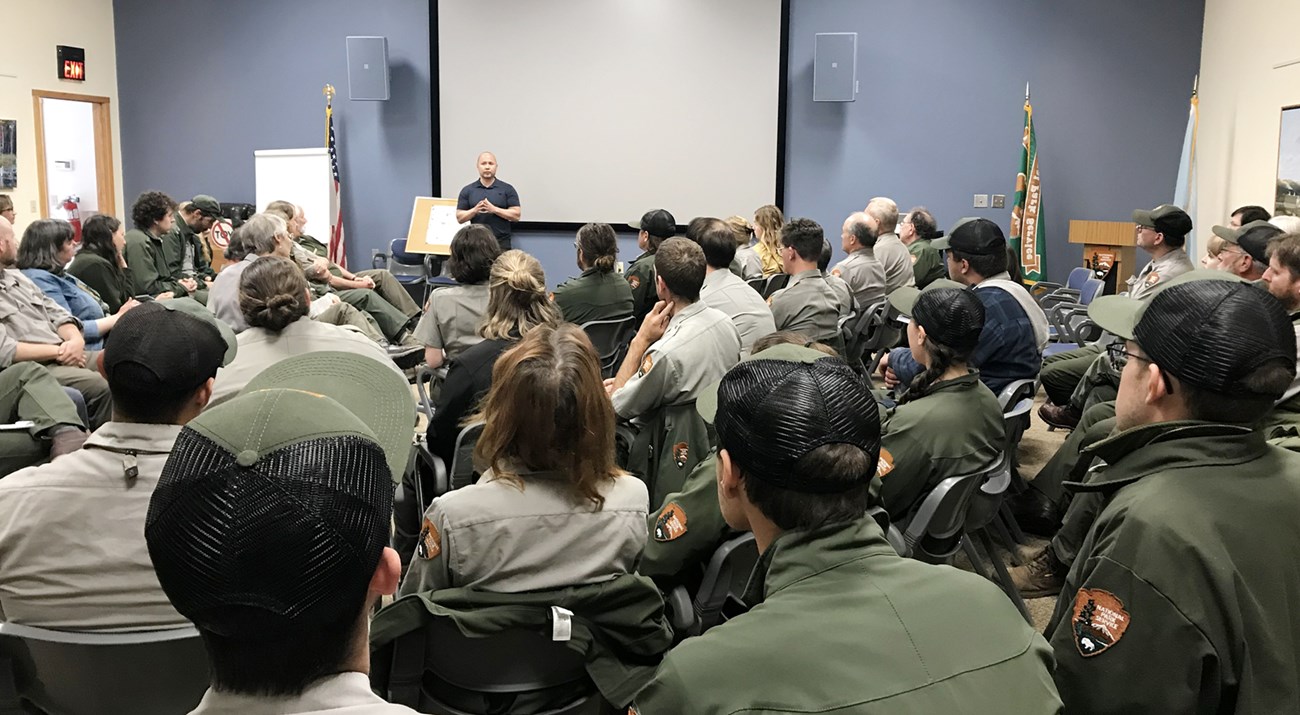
{"x":74,"y":155}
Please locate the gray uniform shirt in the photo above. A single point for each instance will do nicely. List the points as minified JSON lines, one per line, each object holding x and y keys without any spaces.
{"x":700,"y":345}
{"x":72,"y":548}
{"x":452,"y":318}
{"x":747,"y":264}
{"x":260,"y":348}
{"x":746,"y":308}
{"x":27,"y":315}
{"x":498,"y":536}
{"x":223,"y":295}
{"x":897,"y":260}
{"x":809,"y":306}
{"x":865,"y":275}
{"x":843,"y":292}
{"x":1157,"y":272}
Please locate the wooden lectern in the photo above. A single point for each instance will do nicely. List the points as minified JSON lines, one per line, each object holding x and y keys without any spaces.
{"x":1106,"y":242}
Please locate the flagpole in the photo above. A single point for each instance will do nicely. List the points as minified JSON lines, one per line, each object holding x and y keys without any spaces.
{"x":1026,"y":92}
{"x":328,"y":91}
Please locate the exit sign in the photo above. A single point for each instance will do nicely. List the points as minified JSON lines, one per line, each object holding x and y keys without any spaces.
{"x":72,"y":63}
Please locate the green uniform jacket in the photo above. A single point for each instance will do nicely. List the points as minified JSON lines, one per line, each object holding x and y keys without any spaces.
{"x":1184,"y":594}
{"x":619,"y":625}
{"x":594,"y":296}
{"x":841,"y":624}
{"x":927,"y":263}
{"x":954,"y":430}
{"x":687,"y":528}
{"x":148,"y":261}
{"x":173,"y":245}
{"x":666,"y":450}
{"x":641,"y":278}
{"x":113,"y":285}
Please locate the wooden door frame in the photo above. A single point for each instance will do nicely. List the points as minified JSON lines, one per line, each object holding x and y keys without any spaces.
{"x":103,"y":123}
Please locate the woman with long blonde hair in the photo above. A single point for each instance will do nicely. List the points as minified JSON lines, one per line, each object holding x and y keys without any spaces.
{"x":767,"y":227}
{"x":552,"y":509}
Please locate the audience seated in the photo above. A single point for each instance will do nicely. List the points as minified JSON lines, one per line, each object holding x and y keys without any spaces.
{"x":653,"y":229}
{"x":452,"y":315}
{"x":100,"y":263}
{"x":682,"y":345}
{"x":842,"y":291}
{"x":552,"y":510}
{"x":1282,"y":426}
{"x":275,"y":300}
{"x":273,"y":541}
{"x":1245,"y":251}
{"x":861,"y":270}
{"x":1213,"y":247}
{"x":947,"y":423}
{"x":7,"y":208}
{"x":186,"y":252}
{"x":916,"y":230}
{"x":1247,"y":214}
{"x":747,"y":264}
{"x":517,"y":304}
{"x":29,"y":393}
{"x":688,"y":527}
{"x":725,"y":291}
{"x":146,"y":254}
{"x":768,"y":221}
{"x":1015,"y":328}
{"x":34,"y":328}
{"x":882,"y":218}
{"x":72,"y":554}
{"x":1189,"y":559}
{"x":798,"y":447}
{"x":45,"y":250}
{"x":599,"y":293}
{"x":807,"y":304}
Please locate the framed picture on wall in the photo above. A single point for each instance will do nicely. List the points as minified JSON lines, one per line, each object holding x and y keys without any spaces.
{"x":8,"y":154}
{"x":1288,"y":164}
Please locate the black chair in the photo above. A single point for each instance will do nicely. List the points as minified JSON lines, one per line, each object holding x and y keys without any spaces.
{"x":610,"y":338}
{"x":462,"y":471}
{"x":986,"y":513}
{"x":867,"y":334}
{"x":758,"y":284}
{"x":775,"y":283}
{"x":77,"y":673}
{"x":442,"y":671}
{"x":725,"y":578}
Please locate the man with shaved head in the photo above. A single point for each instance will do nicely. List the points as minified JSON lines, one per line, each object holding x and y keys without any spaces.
{"x":863,"y":273}
{"x":489,"y":201}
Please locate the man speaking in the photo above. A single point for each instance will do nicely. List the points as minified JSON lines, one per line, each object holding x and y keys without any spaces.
{"x":493,"y":203}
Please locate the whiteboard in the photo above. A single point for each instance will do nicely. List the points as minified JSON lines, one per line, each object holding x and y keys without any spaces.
{"x":299,"y":176}
{"x":600,"y":110}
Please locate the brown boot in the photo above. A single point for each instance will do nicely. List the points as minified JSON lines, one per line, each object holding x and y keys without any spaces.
{"x":1060,"y":416}
{"x":1042,"y":576}
{"x":66,"y":439}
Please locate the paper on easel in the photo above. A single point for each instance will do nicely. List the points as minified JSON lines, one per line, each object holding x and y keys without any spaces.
{"x":442,"y":224}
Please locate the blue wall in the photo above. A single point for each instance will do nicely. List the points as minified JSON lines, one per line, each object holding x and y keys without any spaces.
{"x":939,"y":118}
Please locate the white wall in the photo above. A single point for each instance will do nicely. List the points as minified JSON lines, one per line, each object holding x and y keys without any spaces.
{"x":1242,"y":96}
{"x":70,"y":154}
{"x":27,"y":62}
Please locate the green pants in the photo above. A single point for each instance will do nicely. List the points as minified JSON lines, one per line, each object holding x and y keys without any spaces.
{"x":391,"y":321}
{"x":1095,"y":425}
{"x":392,"y":290}
{"x":344,"y":314}
{"x":29,"y":392}
{"x":1085,"y":506}
{"x":1063,"y":371}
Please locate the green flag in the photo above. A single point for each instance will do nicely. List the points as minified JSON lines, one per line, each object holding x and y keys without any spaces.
{"x":1027,"y":214}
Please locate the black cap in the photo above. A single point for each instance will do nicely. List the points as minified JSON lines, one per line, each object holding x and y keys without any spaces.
{"x":1165,"y":218}
{"x":974,"y":237}
{"x":1253,"y":237}
{"x":166,"y":348}
{"x":773,"y":412}
{"x":950,"y":312}
{"x":658,"y":223}
{"x":1209,"y":333}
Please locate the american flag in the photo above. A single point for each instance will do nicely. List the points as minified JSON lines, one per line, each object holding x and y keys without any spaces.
{"x":338,"y":246}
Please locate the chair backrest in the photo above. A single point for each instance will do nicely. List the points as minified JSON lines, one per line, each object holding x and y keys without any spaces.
{"x":934,"y":532}
{"x":1012,"y":394}
{"x":984,"y":503}
{"x":462,"y":472}
{"x":75,"y":673}
{"x":775,"y":283}
{"x":500,"y":672}
{"x":1091,"y":288}
{"x":402,"y":264}
{"x":424,"y":379}
{"x":725,"y":577}
{"x":608,"y":336}
{"x":1077,"y":278}
{"x":758,"y":284}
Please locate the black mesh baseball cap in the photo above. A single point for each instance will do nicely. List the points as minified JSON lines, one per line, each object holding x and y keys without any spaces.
{"x":166,"y":348}
{"x":950,"y":312}
{"x":1252,"y":237}
{"x":1209,"y":331}
{"x":770,"y":413}
{"x":271,"y":515}
{"x":1165,"y":218}
{"x":657,"y":223}
{"x":974,"y":237}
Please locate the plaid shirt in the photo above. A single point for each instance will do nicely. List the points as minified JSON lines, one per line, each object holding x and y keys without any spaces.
{"x":1007,"y":350}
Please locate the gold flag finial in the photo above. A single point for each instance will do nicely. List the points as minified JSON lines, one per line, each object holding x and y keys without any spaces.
{"x":329,"y":93}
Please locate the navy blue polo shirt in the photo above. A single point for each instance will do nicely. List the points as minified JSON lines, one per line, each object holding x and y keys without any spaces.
{"x":501,"y":194}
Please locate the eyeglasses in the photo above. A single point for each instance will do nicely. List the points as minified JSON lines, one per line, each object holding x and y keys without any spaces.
{"x":1119,"y":358}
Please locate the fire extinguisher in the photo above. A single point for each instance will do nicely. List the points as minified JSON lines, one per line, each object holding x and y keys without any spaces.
{"x":72,"y":205}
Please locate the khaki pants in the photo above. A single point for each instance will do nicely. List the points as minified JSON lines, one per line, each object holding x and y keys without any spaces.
{"x":392,"y":290}
{"x":344,"y":314}
{"x":92,"y":386}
